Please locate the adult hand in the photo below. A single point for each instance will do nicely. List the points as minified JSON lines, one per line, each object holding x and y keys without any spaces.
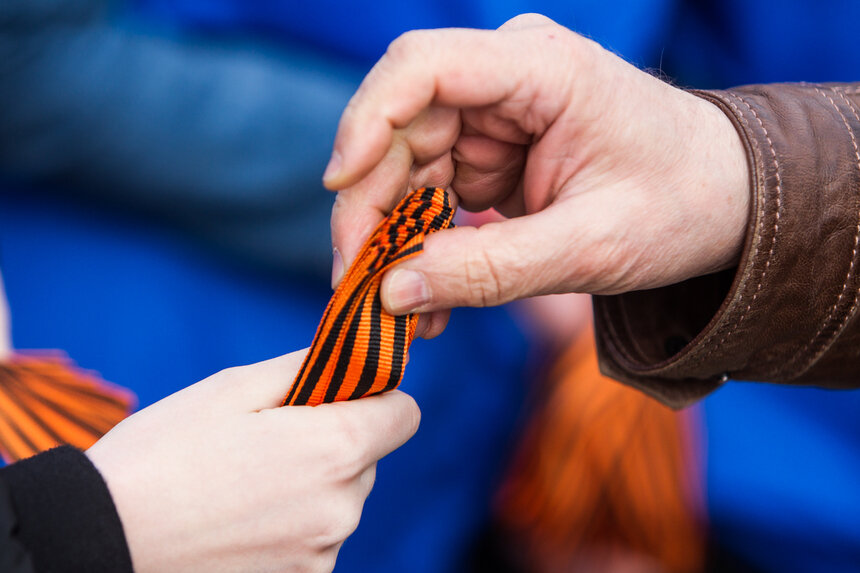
{"x":218,"y":478}
{"x":612,"y":179}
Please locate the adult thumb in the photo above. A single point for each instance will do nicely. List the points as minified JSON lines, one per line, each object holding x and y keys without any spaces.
{"x":468,"y":266}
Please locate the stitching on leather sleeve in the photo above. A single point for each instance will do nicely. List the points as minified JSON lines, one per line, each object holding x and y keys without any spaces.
{"x":755,"y":251}
{"x":845,"y":286}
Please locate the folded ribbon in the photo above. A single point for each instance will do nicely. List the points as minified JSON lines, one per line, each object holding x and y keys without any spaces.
{"x":359,"y":349}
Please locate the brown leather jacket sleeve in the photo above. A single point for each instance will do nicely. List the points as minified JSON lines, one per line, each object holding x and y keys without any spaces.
{"x":788,"y":312}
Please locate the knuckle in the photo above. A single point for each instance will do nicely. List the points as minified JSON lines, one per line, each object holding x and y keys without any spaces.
{"x":367,"y":480}
{"x":530,"y":19}
{"x":320,"y":558}
{"x":406,"y":44}
{"x":413,"y":417}
{"x":583,"y":51}
{"x":351,"y":518}
{"x":528,"y":22}
{"x":350,"y":110}
{"x":327,"y":560}
{"x":339,"y":208}
{"x":225,"y":378}
{"x":483,"y":282}
{"x":225,"y":374}
{"x":339,"y":520}
{"x":347,"y":448}
{"x":431,"y":136}
{"x":404,"y":421}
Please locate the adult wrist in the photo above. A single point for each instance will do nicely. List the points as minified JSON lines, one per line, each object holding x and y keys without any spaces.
{"x":784,"y":314}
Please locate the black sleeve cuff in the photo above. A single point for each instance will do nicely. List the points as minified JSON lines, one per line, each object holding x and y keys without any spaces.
{"x":66,"y":517}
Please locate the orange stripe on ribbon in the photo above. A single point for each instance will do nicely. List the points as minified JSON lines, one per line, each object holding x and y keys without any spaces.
{"x":45,"y":401}
{"x":359,"y":349}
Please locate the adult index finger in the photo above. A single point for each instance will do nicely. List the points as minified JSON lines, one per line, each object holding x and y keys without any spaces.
{"x":412,"y":161}
{"x":451,"y":67}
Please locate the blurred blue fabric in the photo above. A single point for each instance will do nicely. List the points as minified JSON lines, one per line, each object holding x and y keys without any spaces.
{"x":193,"y":132}
{"x":227,"y":141}
{"x":782,"y":476}
{"x":360,"y":31}
{"x":722,"y":43}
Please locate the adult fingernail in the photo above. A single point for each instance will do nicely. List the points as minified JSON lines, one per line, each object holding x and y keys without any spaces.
{"x":336,"y":268}
{"x":407,"y":291}
{"x":333,"y":168}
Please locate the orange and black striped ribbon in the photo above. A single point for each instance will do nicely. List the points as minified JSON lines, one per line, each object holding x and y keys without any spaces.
{"x":359,"y":349}
{"x":46,"y":401}
{"x":604,"y":477}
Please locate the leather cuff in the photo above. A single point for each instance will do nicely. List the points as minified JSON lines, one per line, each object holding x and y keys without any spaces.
{"x":787,"y":313}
